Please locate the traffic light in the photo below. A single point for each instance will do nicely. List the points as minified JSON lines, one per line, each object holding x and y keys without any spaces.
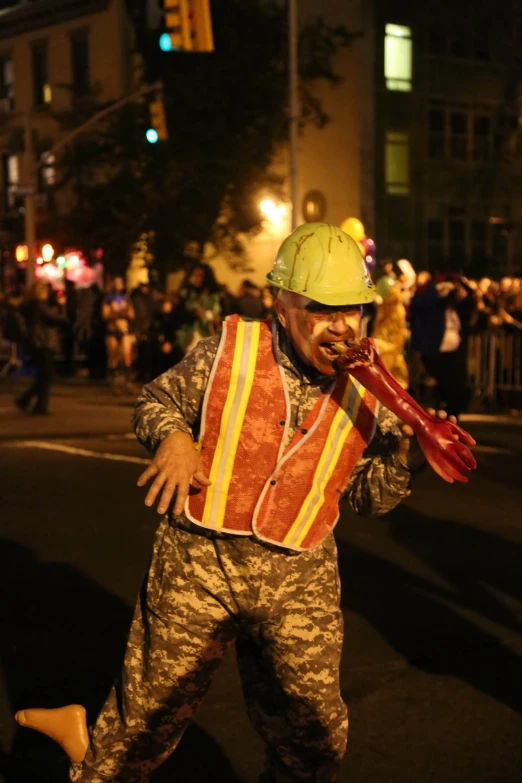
{"x":158,"y":123}
{"x":188,"y":26}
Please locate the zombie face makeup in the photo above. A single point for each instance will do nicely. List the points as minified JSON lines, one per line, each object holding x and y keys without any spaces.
{"x":316,"y":330}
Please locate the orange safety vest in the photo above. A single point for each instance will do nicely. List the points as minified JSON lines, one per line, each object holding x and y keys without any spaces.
{"x":287,"y":496}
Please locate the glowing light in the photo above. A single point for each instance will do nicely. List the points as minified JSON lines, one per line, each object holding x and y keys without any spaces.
{"x":165,"y":43}
{"x":272,"y":211}
{"x":39,"y":260}
{"x":73,"y":260}
{"x":398,"y":57}
{"x":152,"y":136}
{"x":21,"y":253}
{"x":47,"y":252}
{"x":61,"y":261}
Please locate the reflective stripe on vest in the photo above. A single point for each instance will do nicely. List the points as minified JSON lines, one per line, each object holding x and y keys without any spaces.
{"x":241,"y":380}
{"x":339,"y":431}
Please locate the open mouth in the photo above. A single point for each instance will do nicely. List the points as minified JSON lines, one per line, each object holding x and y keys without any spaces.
{"x":334,"y":348}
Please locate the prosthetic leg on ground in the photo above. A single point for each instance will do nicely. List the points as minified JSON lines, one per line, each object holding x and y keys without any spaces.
{"x":65,"y":725}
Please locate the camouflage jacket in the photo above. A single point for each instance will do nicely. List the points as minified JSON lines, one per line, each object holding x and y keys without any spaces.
{"x":174,"y":401}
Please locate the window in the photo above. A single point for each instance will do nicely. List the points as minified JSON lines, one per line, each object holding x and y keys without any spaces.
{"x":457,"y":241}
{"x":397,"y":164}
{"x":506,"y":136}
{"x":437,"y":133}
{"x":437,"y":37}
{"x":499,"y":242}
{"x":459,"y":238}
{"x":397,"y":57}
{"x":459,"y":38}
{"x":435,"y":242}
{"x":459,"y":34}
{"x":479,"y":240}
{"x":6,"y":84}
{"x":48,"y":170}
{"x":435,"y":231}
{"x":458,"y":135}
{"x":42,"y":94}
{"x":482,"y":139}
{"x":10,"y":177}
{"x":80,"y":62}
{"x":481,"y":40}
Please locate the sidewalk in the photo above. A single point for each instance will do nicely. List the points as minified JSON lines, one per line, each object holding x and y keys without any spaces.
{"x":78,"y":408}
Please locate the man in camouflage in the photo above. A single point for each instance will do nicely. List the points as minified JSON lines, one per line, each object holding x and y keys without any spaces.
{"x":207,"y":589}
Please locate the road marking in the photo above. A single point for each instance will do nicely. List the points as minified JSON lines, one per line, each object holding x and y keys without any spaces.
{"x":42,"y":444}
{"x":492,"y":450}
{"x":486,"y":418}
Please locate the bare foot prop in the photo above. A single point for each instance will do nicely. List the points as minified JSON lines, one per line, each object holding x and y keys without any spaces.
{"x":66,"y":725}
{"x":445,"y":445}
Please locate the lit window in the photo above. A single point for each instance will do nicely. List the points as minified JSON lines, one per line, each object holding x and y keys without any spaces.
{"x":49,"y":170}
{"x":13,"y":170}
{"x":9,"y":179}
{"x":397,"y":57}
{"x":397,"y":164}
{"x":41,"y":88}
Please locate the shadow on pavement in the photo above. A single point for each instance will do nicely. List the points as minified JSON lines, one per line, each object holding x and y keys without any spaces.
{"x":475,"y":573}
{"x":62,"y":639}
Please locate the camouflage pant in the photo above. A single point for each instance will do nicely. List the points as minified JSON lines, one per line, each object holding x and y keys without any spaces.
{"x":202,"y":594}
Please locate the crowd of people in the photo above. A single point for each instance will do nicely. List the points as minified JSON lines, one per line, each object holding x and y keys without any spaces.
{"x":420,"y":324}
{"x":434,"y":316}
{"x":118,"y":335}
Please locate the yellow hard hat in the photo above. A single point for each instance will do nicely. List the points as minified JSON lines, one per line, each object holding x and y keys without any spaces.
{"x":354,"y":228}
{"x":320,"y":261}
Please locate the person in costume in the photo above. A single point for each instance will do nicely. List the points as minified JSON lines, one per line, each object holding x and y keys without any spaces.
{"x":390,"y":334}
{"x":256,"y":435}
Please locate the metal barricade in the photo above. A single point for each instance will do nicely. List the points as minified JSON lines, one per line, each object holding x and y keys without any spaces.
{"x":494,"y":367}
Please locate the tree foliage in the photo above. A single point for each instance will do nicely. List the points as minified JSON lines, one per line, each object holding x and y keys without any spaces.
{"x":227,"y":116}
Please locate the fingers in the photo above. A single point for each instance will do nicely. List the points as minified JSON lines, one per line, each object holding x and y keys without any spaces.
{"x":147,"y":474}
{"x":458,"y":462}
{"x":451,"y":471}
{"x":181,"y":497}
{"x":437,"y":467}
{"x":465,"y":455}
{"x":166,"y":496}
{"x":464,"y":436}
{"x":201,"y":478}
{"x":154,"y":489}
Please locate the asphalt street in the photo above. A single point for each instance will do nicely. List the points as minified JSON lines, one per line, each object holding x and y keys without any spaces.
{"x":432,"y":599}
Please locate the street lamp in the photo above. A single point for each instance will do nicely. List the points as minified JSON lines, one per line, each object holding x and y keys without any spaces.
{"x":47,"y":252}
{"x":274,"y":212}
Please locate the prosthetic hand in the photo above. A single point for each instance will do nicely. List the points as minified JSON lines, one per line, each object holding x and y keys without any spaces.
{"x":443,"y":442}
{"x":65,"y":725}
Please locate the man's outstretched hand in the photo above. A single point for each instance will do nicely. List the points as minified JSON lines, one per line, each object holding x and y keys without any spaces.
{"x":175,"y":464}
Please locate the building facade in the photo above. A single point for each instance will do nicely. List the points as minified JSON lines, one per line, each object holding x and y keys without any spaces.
{"x":54,"y":54}
{"x":424,"y":143}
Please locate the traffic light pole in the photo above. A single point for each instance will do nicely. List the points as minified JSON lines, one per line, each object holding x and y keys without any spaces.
{"x":293,"y":109}
{"x":156,"y":87}
{"x":33,"y":167}
{"x":29,"y":207}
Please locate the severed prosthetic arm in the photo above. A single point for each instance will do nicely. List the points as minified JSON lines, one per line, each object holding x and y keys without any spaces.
{"x":445,"y":445}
